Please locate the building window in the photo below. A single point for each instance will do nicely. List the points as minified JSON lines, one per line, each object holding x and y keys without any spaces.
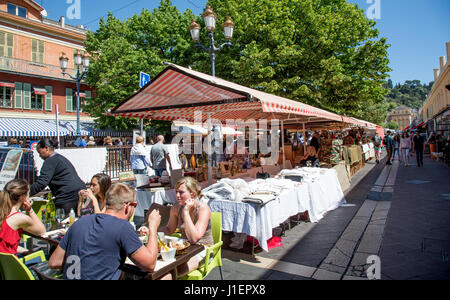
{"x":17,"y":10}
{"x":37,"y":101}
{"x":37,"y":51}
{"x":6,"y":44}
{"x":5,"y":96}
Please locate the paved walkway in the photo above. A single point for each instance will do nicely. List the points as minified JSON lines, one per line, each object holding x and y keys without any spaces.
{"x":395,"y":225}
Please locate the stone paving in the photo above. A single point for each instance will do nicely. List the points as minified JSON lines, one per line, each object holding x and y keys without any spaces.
{"x":400,"y":214}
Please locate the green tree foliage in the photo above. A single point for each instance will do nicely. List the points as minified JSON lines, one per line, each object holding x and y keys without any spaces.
{"x":410,"y":94}
{"x":122,"y":49}
{"x":325,"y":53}
{"x":392,"y":125}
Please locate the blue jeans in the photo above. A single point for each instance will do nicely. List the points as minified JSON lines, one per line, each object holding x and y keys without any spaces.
{"x":396,"y":150}
{"x":158,"y":172}
{"x":419,"y":157}
{"x":139,"y":171}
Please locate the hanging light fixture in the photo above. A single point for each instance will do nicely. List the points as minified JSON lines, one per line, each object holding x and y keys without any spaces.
{"x":228,"y":28}
{"x":210,"y":19}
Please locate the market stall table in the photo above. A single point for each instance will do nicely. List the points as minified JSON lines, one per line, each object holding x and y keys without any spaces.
{"x":317,"y":197}
{"x":131,"y":271}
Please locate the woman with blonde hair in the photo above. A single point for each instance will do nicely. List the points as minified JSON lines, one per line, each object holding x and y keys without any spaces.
{"x":193,"y":217}
{"x":12,"y":222}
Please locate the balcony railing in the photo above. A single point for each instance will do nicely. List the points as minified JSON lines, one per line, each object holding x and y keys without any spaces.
{"x":28,"y":67}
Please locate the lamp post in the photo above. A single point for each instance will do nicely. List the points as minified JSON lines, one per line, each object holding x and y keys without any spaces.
{"x":80,"y":61}
{"x":210,"y":21}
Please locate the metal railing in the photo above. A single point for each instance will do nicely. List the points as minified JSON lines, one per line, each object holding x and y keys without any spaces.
{"x":118,"y":160}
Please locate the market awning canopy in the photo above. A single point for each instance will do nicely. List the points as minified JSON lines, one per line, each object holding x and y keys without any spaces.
{"x":16,"y":127}
{"x":178,"y":92}
{"x":39,"y":91}
{"x":7,"y":84}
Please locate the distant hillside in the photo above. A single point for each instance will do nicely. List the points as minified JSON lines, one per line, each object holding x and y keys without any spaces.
{"x":410,"y":94}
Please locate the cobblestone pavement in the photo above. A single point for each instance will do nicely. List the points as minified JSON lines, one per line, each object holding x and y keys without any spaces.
{"x":395,"y":226}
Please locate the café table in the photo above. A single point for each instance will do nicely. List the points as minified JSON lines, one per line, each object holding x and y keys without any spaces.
{"x":51,"y":238}
{"x":132,"y":272}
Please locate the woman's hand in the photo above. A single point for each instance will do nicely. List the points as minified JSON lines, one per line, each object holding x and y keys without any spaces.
{"x":189,"y":203}
{"x":27,"y":205}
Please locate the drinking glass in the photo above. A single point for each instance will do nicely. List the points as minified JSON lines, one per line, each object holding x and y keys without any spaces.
{"x":60,"y":215}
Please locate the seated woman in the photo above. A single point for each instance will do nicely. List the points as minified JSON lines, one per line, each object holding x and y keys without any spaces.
{"x":192,"y":217}
{"x":93,"y":200}
{"x":12,"y":222}
{"x":310,"y":156}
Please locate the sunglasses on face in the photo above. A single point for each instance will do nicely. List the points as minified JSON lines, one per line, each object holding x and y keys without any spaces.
{"x":132,"y":203}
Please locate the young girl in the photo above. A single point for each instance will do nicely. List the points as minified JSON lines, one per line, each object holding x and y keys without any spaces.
{"x":93,"y":200}
{"x":14,"y":196}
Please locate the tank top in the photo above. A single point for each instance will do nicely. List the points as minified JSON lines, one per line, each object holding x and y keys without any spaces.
{"x":9,"y":238}
{"x":206,"y":238}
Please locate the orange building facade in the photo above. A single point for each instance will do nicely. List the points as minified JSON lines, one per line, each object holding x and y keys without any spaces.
{"x":31,"y":80}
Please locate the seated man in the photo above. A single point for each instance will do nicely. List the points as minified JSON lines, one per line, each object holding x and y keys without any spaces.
{"x":97,"y":245}
{"x":310,"y":156}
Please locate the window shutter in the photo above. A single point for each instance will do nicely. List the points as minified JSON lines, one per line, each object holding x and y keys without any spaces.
{"x":9,"y":45}
{"x":33,"y":50}
{"x":18,"y":95}
{"x":40,"y":52}
{"x":27,"y":96}
{"x":48,"y":98}
{"x":2,"y":43}
{"x":69,"y":100}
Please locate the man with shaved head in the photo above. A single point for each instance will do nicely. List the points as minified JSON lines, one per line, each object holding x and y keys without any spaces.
{"x":158,"y":155}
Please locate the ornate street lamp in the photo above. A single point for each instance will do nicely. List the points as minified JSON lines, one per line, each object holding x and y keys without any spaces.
{"x":81,"y":62}
{"x":210,"y":21}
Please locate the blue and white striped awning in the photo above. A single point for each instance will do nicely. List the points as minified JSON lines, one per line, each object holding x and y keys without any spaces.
{"x":14,"y":127}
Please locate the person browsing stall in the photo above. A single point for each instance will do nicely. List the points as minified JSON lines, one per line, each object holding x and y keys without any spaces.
{"x":14,"y":196}
{"x":310,"y":155}
{"x":101,"y":242}
{"x":93,"y":200}
{"x":193,"y":217}
{"x":159,"y":155}
{"x":59,"y":174}
{"x":139,"y":157}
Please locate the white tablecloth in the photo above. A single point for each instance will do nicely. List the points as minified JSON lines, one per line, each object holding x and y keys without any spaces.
{"x":318,"y":197}
{"x":145,"y":198}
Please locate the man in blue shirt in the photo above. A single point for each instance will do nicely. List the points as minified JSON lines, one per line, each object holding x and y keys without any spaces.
{"x":96,"y":246}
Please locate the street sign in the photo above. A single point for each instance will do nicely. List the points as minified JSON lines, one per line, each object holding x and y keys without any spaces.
{"x":144,"y":78}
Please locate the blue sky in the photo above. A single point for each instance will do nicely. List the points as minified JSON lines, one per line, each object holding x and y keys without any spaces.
{"x":417,"y":30}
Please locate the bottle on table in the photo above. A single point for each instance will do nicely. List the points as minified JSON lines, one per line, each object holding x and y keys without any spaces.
{"x":71,"y":217}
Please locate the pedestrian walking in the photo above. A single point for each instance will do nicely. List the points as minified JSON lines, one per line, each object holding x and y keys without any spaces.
{"x":405,"y":145}
{"x":396,"y":139}
{"x":418,"y":143}
{"x":389,"y":144}
{"x":158,"y":155}
{"x":377,"y":146}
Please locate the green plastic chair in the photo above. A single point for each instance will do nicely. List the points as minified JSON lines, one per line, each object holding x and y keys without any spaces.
{"x":216,"y":251}
{"x":13,"y":269}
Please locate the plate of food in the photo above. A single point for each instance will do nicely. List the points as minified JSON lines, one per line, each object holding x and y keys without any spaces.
{"x":181,"y":245}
